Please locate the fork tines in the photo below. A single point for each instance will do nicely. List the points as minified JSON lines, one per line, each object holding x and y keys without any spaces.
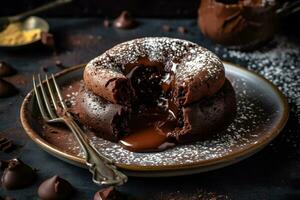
{"x":46,"y":103}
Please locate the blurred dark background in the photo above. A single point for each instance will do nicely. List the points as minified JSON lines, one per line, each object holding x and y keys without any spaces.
{"x":108,"y":8}
{"x":171,"y":9}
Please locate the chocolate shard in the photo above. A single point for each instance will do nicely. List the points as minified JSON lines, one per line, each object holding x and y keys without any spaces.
{"x":7,"y":89}
{"x":16,"y":174}
{"x":6,"y":69}
{"x":124,"y":21}
{"x":109,"y":193}
{"x":55,"y":188}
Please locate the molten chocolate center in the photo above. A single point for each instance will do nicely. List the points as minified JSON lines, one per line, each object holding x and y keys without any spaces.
{"x":144,"y":133}
{"x":151,"y":109}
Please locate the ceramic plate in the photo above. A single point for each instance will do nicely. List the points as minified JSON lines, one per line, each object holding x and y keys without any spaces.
{"x":262,"y":112}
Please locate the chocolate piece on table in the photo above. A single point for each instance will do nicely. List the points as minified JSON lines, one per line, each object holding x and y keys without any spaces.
{"x":7,"y":89}
{"x":6,"y":69}
{"x":55,"y":188}
{"x":17,"y":175}
{"x":124,"y":21}
{"x":109,"y":193}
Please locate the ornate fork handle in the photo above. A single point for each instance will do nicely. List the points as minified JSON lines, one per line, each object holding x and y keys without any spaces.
{"x":104,"y":171}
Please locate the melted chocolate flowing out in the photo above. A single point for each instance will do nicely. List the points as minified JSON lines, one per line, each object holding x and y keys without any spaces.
{"x":55,"y":188}
{"x":16,"y":174}
{"x":144,"y":135}
{"x":6,"y":69}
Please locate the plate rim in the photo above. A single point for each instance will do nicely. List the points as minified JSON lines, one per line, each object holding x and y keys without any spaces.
{"x":269,"y":134}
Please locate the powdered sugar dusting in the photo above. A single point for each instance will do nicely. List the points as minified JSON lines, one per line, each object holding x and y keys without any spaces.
{"x":190,"y":58}
{"x":252,"y":120}
{"x":278,"y":63}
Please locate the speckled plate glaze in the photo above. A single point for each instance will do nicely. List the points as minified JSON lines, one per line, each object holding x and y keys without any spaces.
{"x":262,"y":114}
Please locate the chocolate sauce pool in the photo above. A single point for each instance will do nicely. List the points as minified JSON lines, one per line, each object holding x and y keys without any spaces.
{"x":144,"y":135}
{"x":145,"y":140}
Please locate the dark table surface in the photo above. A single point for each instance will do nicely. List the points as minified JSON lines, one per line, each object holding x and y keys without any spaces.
{"x":273,"y":173}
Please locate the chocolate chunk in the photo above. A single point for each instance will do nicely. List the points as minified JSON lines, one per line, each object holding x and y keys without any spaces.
{"x":109,"y":193}
{"x":166,"y":28}
{"x":6,"y":89}
{"x":6,"y":69}
{"x":182,"y":30}
{"x":125,"y":21}
{"x":55,"y":188}
{"x":106,"y":23}
{"x":17,"y":175}
{"x":48,"y":39}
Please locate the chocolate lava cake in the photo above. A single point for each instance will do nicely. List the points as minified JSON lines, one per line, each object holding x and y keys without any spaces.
{"x":157,"y":92}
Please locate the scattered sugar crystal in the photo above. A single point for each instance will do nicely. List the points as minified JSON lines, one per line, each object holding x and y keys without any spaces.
{"x":279,"y":62}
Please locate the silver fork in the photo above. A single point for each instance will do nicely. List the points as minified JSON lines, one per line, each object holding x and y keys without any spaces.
{"x":54,"y":110}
